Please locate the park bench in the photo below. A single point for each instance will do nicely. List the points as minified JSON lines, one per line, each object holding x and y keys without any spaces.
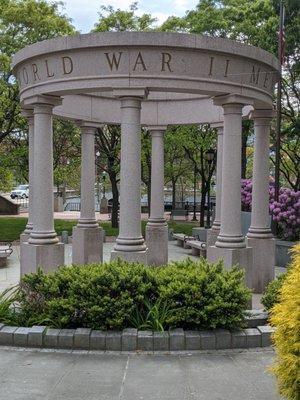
{"x":5,"y":252}
{"x":198,"y":247}
{"x":182,"y":239}
{"x":179,"y":213}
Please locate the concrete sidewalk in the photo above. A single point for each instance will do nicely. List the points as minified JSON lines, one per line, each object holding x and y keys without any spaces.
{"x":232,"y":375}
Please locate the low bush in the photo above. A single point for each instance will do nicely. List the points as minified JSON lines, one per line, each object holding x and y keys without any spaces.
{"x":272,"y":291}
{"x":285,"y":316}
{"x":116,"y":295}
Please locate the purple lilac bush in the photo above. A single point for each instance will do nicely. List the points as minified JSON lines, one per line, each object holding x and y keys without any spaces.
{"x":286,"y":211}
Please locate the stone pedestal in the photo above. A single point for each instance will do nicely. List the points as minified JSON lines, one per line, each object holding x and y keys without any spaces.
{"x":87,"y":245}
{"x":212,"y":235}
{"x":263,"y":270}
{"x":130,"y":256}
{"x":103,"y":205}
{"x":157,"y":243}
{"x":46,"y":256}
{"x":231,"y":257}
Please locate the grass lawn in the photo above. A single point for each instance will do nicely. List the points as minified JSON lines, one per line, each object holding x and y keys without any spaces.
{"x":11,"y":227}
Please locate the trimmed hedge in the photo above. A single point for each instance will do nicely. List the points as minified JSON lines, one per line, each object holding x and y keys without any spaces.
{"x":285,"y":316}
{"x":116,"y":295}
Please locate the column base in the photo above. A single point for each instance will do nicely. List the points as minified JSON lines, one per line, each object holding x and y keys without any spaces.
{"x":87,"y":245}
{"x":263,"y":262}
{"x":24,"y":237}
{"x":130,"y":256}
{"x":212,"y":235}
{"x":242,"y":257}
{"x":47,"y":256}
{"x":157,"y":243}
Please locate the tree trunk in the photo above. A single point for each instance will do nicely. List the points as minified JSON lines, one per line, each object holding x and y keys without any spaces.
{"x":244,"y":154}
{"x":115,"y":200}
{"x":173,"y":194}
{"x":202,"y":204}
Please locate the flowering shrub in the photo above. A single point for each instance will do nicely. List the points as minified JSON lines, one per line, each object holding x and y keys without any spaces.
{"x":285,"y":211}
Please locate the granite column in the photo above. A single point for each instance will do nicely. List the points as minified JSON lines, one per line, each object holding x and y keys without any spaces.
{"x":157,"y":228}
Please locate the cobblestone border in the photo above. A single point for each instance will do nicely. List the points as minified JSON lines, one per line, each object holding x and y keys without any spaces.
{"x":134,"y":340}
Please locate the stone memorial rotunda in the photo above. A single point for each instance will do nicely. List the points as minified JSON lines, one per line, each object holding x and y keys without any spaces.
{"x":152,"y":80}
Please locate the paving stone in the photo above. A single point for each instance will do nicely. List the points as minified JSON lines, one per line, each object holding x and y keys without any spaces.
{"x":266,"y":335}
{"x":66,"y":338}
{"x":253,"y":337}
{"x":50,"y":338}
{"x":161,"y":341}
{"x":239,"y":340}
{"x":114,"y":341}
{"x":208,"y":340}
{"x":192,"y":340}
{"x":35,"y":336}
{"x":97,"y":340}
{"x":129,"y":339}
{"x":177,"y":339}
{"x":21,"y":337}
{"x":223,"y":339}
{"x":145,"y":341}
{"x":256,"y":318}
{"x":82,"y":338}
{"x":7,"y":335}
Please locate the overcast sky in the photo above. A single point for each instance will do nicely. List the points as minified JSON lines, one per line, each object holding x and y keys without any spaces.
{"x":84,"y":13}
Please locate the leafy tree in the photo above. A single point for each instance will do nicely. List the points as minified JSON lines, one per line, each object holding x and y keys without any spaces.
{"x":118,"y":20}
{"x":23,"y":22}
{"x":176,"y":164}
{"x":146,"y":163}
{"x":255,"y":22}
{"x":108,"y":142}
{"x":196,"y":141}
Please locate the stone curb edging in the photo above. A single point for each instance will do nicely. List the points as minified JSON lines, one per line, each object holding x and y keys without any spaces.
{"x":133,"y":340}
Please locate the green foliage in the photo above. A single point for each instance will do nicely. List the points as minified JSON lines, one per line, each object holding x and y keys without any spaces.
{"x":285,"y":316}
{"x":120,"y":20}
{"x":119,"y":294}
{"x":152,"y":315}
{"x":8,"y":313}
{"x":272,"y":292}
{"x":205,"y":295}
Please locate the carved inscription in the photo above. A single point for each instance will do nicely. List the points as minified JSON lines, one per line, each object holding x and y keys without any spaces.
{"x":212,"y":66}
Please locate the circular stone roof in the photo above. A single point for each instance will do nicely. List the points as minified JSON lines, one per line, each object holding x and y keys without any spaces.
{"x":173,"y":68}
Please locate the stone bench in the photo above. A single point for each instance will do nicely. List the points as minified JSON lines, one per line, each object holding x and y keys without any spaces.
{"x":198,"y":248}
{"x":5,"y":252}
{"x":182,"y":239}
{"x":179,"y":213}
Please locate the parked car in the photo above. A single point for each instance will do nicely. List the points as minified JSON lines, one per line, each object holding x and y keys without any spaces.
{"x":20,"y":192}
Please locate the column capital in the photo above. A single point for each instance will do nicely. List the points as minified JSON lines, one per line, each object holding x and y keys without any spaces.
{"x":28,"y":114}
{"x":47,"y":100}
{"x":88,"y":127}
{"x":262,"y":114}
{"x":219,"y":126}
{"x":157,"y":128}
{"x":232,"y":99}
{"x":139,"y":93}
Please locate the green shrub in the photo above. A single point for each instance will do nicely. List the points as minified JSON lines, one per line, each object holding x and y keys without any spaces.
{"x":205,"y":295}
{"x":119,"y":294}
{"x":285,"y":316}
{"x":272,"y":291}
{"x":8,"y":312}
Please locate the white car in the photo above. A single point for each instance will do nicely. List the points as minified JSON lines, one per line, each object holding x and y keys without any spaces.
{"x":20,"y":192}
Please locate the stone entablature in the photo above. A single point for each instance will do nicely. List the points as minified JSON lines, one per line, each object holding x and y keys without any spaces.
{"x":158,"y":61}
